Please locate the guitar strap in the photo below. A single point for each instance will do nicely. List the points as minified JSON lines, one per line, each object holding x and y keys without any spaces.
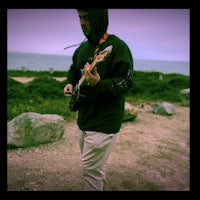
{"x":102,"y":40}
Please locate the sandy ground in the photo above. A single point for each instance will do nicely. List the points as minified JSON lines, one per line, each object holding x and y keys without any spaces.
{"x":26,"y":80}
{"x":151,"y":153}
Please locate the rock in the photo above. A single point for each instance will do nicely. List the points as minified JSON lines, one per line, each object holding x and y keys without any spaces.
{"x":163,"y":108}
{"x":31,"y":129}
{"x":185,"y":97}
{"x":130,"y":112}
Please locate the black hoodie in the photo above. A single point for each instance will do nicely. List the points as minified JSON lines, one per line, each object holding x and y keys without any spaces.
{"x":103,"y":107}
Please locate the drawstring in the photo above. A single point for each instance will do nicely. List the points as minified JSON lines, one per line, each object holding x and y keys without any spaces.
{"x":75,"y":44}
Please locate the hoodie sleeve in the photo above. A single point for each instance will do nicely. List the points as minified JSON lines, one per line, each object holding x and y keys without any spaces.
{"x":73,"y":74}
{"x":122,"y":73}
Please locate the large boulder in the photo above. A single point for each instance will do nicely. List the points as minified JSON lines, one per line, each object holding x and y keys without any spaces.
{"x":30,"y":129}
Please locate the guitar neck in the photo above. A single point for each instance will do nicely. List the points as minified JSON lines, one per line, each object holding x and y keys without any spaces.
{"x":83,"y":77}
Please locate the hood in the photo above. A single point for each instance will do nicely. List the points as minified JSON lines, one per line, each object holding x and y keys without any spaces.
{"x":99,"y":24}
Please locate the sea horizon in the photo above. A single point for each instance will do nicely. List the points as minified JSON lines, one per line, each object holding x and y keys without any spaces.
{"x":46,"y":62}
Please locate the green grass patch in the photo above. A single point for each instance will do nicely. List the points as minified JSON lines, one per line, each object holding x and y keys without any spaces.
{"x":45,"y":94}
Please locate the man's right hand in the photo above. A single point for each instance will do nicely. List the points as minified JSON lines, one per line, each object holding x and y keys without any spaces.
{"x":68,"y":89}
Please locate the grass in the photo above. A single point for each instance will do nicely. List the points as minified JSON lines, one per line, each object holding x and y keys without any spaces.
{"x":45,"y":94}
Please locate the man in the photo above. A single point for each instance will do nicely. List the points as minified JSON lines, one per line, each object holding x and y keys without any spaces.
{"x":104,"y":65}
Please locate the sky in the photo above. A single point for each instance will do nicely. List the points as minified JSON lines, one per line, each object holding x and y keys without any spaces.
{"x":151,"y":34}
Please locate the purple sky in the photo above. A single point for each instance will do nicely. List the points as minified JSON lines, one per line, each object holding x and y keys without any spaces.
{"x":152,"y":34}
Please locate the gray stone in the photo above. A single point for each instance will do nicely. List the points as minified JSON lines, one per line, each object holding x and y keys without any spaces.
{"x":130,"y":112}
{"x":31,"y":129}
{"x":185,"y":97}
{"x":163,"y":108}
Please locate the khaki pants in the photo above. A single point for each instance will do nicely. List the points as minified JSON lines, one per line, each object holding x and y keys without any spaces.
{"x":95,"y":149}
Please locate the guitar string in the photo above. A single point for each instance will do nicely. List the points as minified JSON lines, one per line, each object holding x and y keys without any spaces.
{"x":102,"y":40}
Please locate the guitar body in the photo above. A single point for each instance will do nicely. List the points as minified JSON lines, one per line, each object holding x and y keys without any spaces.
{"x":76,"y":98}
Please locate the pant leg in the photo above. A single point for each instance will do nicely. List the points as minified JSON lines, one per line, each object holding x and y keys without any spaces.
{"x":95,"y":150}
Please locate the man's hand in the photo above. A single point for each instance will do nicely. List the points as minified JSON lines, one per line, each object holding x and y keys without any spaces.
{"x":91,"y":77}
{"x":68,"y":89}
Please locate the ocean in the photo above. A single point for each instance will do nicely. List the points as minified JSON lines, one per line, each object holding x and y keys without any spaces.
{"x":45,"y":62}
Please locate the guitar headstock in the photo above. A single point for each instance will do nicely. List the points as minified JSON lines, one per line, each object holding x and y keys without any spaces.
{"x":103,"y":54}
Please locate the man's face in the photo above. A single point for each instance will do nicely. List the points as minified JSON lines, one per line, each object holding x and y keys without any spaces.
{"x":85,"y":23}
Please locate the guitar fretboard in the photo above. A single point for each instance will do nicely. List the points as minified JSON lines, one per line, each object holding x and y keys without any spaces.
{"x":100,"y":57}
{"x":83,"y":76}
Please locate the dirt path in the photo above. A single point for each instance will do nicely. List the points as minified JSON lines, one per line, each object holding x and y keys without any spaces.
{"x":29,"y":79}
{"x":151,"y":153}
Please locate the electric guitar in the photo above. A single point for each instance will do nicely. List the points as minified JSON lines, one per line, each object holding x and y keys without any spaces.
{"x":76,"y":96}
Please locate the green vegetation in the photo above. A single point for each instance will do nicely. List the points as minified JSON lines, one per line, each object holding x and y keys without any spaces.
{"x":20,"y":73}
{"x":45,"y":94}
